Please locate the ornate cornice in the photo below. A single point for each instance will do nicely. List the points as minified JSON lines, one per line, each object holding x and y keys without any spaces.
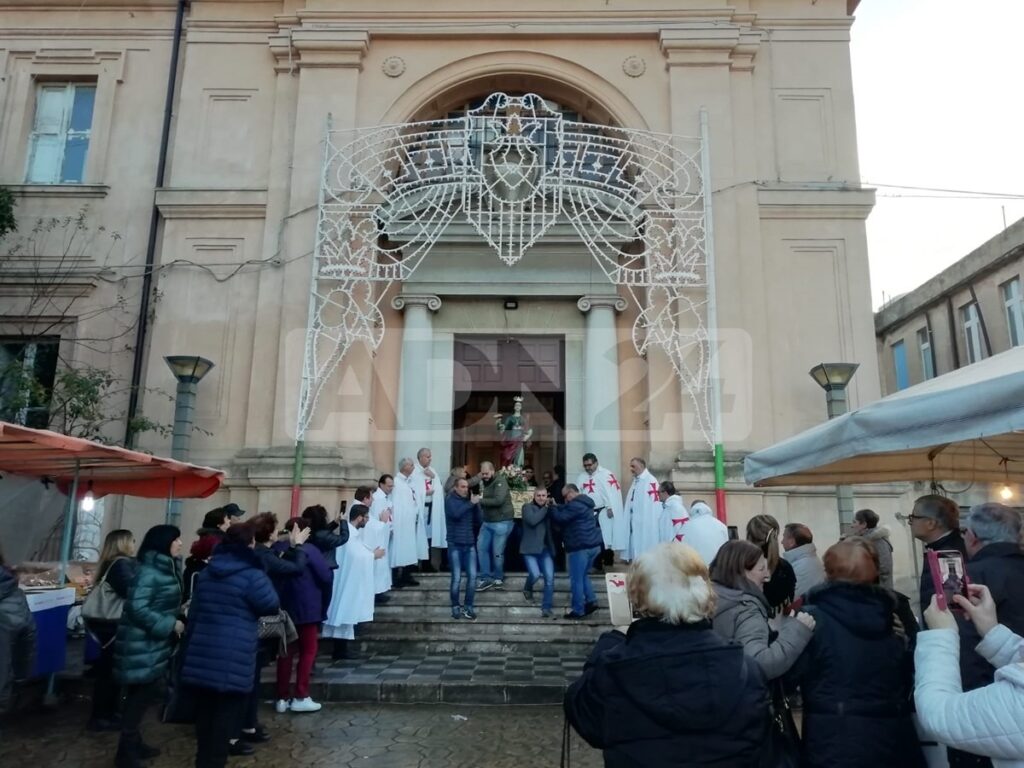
{"x":428,"y":300}
{"x":709,"y":44}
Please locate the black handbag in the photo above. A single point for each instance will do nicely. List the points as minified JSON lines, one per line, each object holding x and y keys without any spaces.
{"x":782,"y":749}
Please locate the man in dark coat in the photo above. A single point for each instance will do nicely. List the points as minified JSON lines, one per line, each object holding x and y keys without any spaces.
{"x":935,"y":522}
{"x":461,"y":511}
{"x":992,"y":535}
{"x":583,"y":543}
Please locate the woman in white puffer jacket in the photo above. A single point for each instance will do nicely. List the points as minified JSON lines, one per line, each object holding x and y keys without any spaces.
{"x":988,"y":721}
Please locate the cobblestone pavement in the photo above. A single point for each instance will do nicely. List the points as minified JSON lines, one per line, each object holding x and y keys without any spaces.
{"x":367,"y":736}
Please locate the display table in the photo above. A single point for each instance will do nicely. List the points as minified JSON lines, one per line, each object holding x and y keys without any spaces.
{"x":50,"y":610}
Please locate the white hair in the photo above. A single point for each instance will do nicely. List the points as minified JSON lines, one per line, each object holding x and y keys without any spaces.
{"x":405,"y":462}
{"x":671,"y":582}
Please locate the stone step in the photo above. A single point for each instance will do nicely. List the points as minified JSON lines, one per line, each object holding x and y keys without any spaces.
{"x":464,"y":678}
{"x":457,"y":646}
{"x":417,"y":596}
{"x":487,"y":611}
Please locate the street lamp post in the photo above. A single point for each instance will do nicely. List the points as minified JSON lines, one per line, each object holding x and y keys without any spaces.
{"x":834,"y":378}
{"x":189,"y":371}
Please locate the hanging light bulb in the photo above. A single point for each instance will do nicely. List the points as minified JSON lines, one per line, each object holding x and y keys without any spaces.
{"x":1006,"y":493}
{"x":89,"y":500}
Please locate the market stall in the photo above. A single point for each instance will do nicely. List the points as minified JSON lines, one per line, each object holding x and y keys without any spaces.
{"x":82,"y":468}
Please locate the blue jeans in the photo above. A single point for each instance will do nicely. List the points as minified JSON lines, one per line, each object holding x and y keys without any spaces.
{"x":579,"y":582}
{"x":535,"y":564}
{"x":459,"y":558}
{"x":491,"y":548}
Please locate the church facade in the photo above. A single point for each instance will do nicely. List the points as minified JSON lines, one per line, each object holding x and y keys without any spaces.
{"x":319,"y":237}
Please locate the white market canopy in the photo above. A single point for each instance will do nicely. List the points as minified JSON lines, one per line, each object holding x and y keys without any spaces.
{"x":964,"y":425}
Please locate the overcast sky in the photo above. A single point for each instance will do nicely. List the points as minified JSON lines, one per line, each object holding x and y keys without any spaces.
{"x":937,"y":85}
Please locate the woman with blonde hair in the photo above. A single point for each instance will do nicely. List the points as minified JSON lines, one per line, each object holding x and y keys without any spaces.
{"x":667,"y":690}
{"x":780,"y":589}
{"x":117,"y":568}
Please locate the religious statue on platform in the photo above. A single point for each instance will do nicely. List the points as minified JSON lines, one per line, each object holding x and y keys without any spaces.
{"x":515,"y":433}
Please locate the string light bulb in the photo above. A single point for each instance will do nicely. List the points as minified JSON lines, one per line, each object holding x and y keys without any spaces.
{"x":89,"y":500}
{"x":1005,"y":493}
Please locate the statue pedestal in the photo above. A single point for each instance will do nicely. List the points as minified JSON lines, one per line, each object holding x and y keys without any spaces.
{"x":519,"y":498}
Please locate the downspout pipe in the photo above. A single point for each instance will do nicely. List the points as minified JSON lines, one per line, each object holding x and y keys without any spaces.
{"x":142,"y":327}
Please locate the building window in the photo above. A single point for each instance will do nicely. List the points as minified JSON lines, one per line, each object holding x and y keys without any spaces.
{"x":899,"y":359}
{"x":972,"y":331}
{"x":924,"y":342}
{"x":60,"y":133}
{"x":1014,"y":311}
{"x":27,"y":372}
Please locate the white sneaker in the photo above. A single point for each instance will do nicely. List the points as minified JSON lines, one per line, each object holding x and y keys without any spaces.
{"x":304,"y":705}
{"x":281,"y":706}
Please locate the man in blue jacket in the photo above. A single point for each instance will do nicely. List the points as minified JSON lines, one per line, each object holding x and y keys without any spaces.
{"x":461,"y":510}
{"x":581,"y":536}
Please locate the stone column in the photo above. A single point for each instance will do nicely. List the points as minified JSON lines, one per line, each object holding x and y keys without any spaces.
{"x":413,"y":425}
{"x":601,"y":434}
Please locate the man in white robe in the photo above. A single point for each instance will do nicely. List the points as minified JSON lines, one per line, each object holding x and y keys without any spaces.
{"x":603,"y":487}
{"x":406,"y":515}
{"x":675,"y":516}
{"x":378,"y":534}
{"x":352,"y":598}
{"x":431,"y":524}
{"x":643,"y":506}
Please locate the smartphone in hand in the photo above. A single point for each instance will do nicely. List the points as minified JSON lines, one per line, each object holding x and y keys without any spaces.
{"x":949,"y":576}
{"x":619,"y":609}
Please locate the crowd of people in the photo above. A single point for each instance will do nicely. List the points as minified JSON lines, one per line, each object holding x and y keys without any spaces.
{"x":728,"y":633}
{"x":721,"y":646}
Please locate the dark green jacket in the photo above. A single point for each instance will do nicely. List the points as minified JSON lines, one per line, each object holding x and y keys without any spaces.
{"x":496,"y":500}
{"x":145,"y":635}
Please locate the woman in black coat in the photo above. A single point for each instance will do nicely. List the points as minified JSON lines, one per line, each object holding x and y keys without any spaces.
{"x":117,"y":568}
{"x":325,"y":536}
{"x":856,"y":674}
{"x":669,"y":692}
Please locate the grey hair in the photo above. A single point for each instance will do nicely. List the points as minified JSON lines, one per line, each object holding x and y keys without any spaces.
{"x":405,"y":462}
{"x":421,"y":451}
{"x":639,"y":461}
{"x":992,"y":523}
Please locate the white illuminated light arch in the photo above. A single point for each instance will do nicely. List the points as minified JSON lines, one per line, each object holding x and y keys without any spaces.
{"x":511,"y":168}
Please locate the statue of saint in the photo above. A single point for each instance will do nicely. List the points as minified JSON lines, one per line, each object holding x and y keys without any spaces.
{"x":515,"y":433}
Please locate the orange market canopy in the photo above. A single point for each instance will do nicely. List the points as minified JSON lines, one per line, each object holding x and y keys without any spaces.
{"x":964,"y":425}
{"x":103,"y":469}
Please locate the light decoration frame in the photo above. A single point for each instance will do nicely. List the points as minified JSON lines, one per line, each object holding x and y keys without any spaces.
{"x":512,"y":169}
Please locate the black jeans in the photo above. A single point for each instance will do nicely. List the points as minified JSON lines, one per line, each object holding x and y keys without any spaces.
{"x":252,"y":705}
{"x":106,"y":693}
{"x":137,"y":700}
{"x":218,"y":719}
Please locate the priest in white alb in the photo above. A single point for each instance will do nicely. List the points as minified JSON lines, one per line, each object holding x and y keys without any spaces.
{"x":431,"y":523}
{"x":405,"y":508}
{"x":378,"y":534}
{"x":352,"y":598}
{"x":601,"y":485}
{"x":644,"y":508}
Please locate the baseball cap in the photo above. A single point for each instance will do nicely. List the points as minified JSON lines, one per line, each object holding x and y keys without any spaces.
{"x":233,"y":510}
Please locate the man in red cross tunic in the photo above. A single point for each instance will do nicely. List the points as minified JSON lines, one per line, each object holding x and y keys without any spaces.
{"x":644,"y":510}
{"x":600,"y":484}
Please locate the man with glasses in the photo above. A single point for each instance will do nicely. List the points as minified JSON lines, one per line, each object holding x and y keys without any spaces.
{"x":935,"y":522}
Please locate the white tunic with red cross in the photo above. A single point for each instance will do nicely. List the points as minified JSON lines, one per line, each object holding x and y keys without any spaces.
{"x":604,"y":488}
{"x":644,"y":510}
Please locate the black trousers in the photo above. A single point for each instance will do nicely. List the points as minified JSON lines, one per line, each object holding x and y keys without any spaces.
{"x":137,"y":700}
{"x":106,"y":693}
{"x":252,"y":704}
{"x":218,"y":719}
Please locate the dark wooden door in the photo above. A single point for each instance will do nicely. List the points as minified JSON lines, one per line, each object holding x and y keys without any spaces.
{"x":509,"y":364}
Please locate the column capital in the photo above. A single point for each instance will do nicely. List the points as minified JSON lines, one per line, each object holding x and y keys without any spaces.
{"x":428,"y":300}
{"x":612,"y":302}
